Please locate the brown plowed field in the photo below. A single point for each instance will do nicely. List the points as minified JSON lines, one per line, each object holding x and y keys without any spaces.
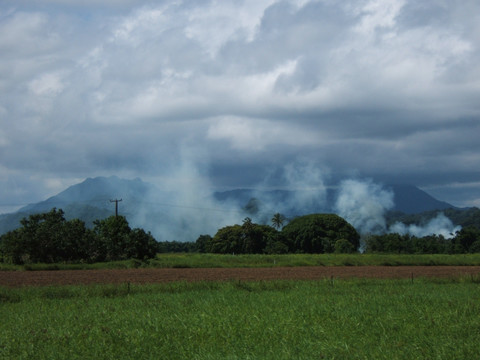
{"x":144,"y":276}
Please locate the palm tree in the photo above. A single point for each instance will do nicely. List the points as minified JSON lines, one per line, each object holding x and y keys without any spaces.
{"x":247,"y":223}
{"x":277,"y":220}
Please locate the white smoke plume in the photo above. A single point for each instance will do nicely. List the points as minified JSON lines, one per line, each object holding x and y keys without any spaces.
{"x":440,"y":225}
{"x":364,"y":204}
{"x":307,"y":192}
{"x":186,"y":208}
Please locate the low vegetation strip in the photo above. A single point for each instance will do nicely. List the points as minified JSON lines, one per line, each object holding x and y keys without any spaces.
{"x":200,"y":260}
{"x":144,"y":276}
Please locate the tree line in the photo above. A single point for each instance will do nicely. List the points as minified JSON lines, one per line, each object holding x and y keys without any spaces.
{"x":315,"y":233}
{"x":467,"y":240}
{"x":50,"y":238}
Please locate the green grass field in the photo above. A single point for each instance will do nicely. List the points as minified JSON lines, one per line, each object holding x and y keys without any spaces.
{"x":344,"y":319}
{"x":195,"y":260}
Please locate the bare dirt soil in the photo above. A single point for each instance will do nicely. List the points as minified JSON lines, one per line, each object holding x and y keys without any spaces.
{"x":144,"y":276}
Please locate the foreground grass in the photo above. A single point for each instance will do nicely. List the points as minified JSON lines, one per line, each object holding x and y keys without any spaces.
{"x":344,"y":319}
{"x":195,"y":260}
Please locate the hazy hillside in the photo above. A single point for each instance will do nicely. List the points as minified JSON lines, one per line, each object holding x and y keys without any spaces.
{"x":184,"y":217}
{"x":408,"y":199}
{"x":411,"y":200}
{"x":463,"y":217}
{"x":88,"y":201}
{"x":96,"y":192}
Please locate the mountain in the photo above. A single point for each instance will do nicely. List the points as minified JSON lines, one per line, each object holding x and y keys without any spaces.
{"x":89,"y":200}
{"x":408,"y":199}
{"x":465,"y":217}
{"x":96,"y":193}
{"x":177,"y":216}
{"x":411,"y":200}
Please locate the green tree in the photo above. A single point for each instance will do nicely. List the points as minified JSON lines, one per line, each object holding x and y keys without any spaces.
{"x":47,"y":238}
{"x":203,"y":243}
{"x":475,"y":247}
{"x":75,"y":241}
{"x":43,"y":235}
{"x":113,"y":237}
{"x":317,"y":233}
{"x":250,"y":238}
{"x":12,"y":247}
{"x":177,"y":247}
{"x":256,"y":238}
{"x":276,"y":244}
{"x":395,"y":243}
{"x":278,"y":220}
{"x":466,"y":238}
{"x":141,"y":245}
{"x":117,"y":241}
{"x":343,"y":246}
{"x":228,"y":240}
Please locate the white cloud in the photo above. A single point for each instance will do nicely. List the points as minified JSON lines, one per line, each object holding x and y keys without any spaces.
{"x":377,"y":14}
{"x":213,"y":26}
{"x":387,"y":88}
{"x":255,"y":135}
{"x":49,"y":84}
{"x":144,"y":22}
{"x":26,"y":33}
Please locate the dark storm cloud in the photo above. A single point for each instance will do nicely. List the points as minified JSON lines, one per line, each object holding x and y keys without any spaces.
{"x":373,"y":88}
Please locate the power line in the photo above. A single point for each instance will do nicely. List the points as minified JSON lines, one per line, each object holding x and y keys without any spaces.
{"x":237,"y":210}
{"x":191,"y":207}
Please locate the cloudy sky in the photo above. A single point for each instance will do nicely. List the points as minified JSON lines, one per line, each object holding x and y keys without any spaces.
{"x":234,"y":91}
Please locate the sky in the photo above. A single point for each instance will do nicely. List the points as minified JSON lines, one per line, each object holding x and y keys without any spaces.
{"x":235,"y":94}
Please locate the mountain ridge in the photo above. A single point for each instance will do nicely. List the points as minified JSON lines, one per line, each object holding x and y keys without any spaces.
{"x":146,"y":206}
{"x":98,"y":191}
{"x":408,"y":199}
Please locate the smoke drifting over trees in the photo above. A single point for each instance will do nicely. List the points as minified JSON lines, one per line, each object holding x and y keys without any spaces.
{"x":184,"y":204}
{"x":363,"y":204}
{"x":440,"y":225}
{"x":189,"y":207}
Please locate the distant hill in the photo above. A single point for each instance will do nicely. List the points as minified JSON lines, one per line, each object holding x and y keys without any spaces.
{"x":172,"y":217}
{"x":145,"y":206}
{"x":96,"y":193}
{"x":411,"y":200}
{"x":88,"y":201}
{"x":408,"y":199}
{"x":466,"y":217}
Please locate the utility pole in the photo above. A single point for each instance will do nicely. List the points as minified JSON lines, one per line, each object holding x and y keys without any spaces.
{"x":116,"y":201}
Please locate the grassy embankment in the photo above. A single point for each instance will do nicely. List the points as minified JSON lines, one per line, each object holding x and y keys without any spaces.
{"x":345,"y":319}
{"x":194,"y":260}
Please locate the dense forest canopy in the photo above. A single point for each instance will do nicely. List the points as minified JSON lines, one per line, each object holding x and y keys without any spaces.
{"x":321,"y":233}
{"x":315,"y":233}
{"x":467,"y":240}
{"x":50,"y":238}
